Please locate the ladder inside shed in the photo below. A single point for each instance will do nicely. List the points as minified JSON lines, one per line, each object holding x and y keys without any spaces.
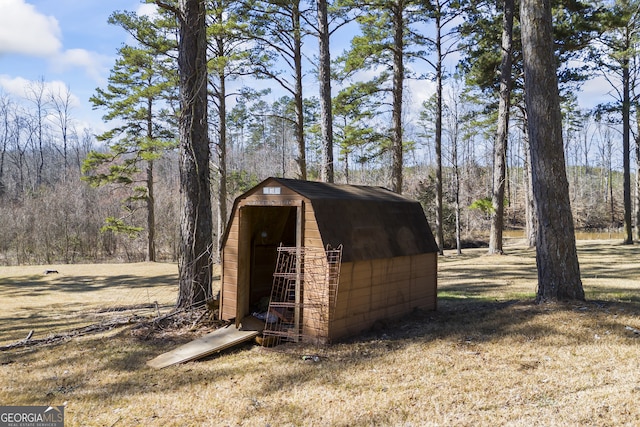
{"x":305,"y":281}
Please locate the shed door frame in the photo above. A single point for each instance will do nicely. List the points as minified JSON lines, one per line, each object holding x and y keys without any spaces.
{"x":244,"y":251}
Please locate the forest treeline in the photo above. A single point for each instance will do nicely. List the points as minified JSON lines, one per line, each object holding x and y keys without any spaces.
{"x":70,"y":195}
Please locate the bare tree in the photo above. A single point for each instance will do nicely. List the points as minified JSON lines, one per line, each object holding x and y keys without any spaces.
{"x":19,"y":136}
{"x":61,"y":104}
{"x":38,"y":95}
{"x":453,"y":127}
{"x":529,"y":209}
{"x":443,"y":13}
{"x":637,"y":183}
{"x":5,"y":109}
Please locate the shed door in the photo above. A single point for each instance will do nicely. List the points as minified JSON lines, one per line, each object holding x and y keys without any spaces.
{"x":263,"y":229}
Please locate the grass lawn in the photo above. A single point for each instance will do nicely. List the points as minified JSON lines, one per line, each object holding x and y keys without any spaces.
{"x":80,"y":295}
{"x":488,"y":356}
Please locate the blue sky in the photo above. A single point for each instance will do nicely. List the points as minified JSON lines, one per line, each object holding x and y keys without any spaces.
{"x":69,"y":43}
{"x":63,"y":42}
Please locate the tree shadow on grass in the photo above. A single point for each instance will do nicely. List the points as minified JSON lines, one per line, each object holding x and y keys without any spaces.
{"x":466,"y":323}
{"x":122,"y":295}
{"x":39,"y":285}
{"x":119,"y":364}
{"x":493,"y":275}
{"x":49,"y":304}
{"x":467,"y":315}
{"x":621,"y":294}
{"x":609,"y":261}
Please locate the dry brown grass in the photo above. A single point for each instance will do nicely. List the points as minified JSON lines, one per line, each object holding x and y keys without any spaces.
{"x":488,"y":356}
{"x":79,"y":295}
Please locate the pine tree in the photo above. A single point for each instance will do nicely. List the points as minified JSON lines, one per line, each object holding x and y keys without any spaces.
{"x":278,"y":30}
{"x":556,"y":255}
{"x":615,"y":56}
{"x":229,"y":58}
{"x":196,"y":223}
{"x":324,"y":79}
{"x":137,"y":100}
{"x":385,"y":46}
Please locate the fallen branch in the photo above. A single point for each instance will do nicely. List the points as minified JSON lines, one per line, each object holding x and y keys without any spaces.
{"x":128,"y":308}
{"x":96,"y":328}
{"x":55,"y":338}
{"x":193,"y":326}
{"x":168,"y":315}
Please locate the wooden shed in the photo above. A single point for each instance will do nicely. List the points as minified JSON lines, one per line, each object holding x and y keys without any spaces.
{"x":379,"y":257}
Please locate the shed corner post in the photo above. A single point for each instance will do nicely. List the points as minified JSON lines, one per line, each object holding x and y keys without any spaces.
{"x":299,"y":267}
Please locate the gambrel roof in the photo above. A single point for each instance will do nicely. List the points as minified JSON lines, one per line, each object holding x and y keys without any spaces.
{"x":369,"y":222}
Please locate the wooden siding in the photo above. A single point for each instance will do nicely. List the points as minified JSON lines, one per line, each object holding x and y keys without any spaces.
{"x":383,"y":289}
{"x":315,"y":316}
{"x":312,"y":237}
{"x":236,"y":257}
{"x":229,"y":272}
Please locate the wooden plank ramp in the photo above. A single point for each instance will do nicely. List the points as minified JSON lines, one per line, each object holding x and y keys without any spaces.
{"x":215,"y":341}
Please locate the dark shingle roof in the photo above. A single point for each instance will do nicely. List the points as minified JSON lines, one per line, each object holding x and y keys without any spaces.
{"x":369,"y":222}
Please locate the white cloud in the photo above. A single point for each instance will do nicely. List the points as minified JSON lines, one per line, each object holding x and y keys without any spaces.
{"x":93,"y":63}
{"x":26,"y":31}
{"x":418,"y":91}
{"x":21,"y":88}
{"x":147,"y":9}
{"x":14,"y":86}
{"x":595,"y":91}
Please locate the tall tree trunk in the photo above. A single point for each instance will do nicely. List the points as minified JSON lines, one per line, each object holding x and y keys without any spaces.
{"x":456,"y":172}
{"x":196,"y":224}
{"x":637,"y":184}
{"x":219,"y":72}
{"x":637,"y":174}
{"x":4,"y":110}
{"x":151,"y":215}
{"x":299,"y":100}
{"x":438,"y":138}
{"x":556,"y":255}
{"x":530,"y":212}
{"x":222,"y":156}
{"x":626,"y":151}
{"x":500,"y":145}
{"x":151,"y":201}
{"x":612,"y":205}
{"x":38,"y":98}
{"x":324,"y":77}
{"x":398,"y":83}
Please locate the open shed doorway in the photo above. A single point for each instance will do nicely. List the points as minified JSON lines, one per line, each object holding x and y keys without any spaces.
{"x":264,"y":228}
